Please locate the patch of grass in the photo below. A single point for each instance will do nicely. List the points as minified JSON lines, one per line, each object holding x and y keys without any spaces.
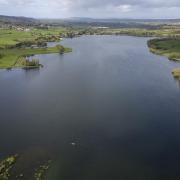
{"x":10,"y":37}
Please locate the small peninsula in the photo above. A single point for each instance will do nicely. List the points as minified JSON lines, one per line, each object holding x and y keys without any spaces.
{"x":169,"y":47}
{"x":17,"y":46}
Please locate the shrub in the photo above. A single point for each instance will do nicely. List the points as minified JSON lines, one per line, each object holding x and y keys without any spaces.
{"x":1,"y":56}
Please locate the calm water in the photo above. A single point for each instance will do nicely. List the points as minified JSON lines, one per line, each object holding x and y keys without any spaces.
{"x":111,"y":97}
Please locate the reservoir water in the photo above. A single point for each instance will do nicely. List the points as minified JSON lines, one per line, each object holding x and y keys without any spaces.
{"x":108,"y":110}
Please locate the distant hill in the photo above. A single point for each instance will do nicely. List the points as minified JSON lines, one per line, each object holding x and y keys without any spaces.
{"x":87,"y":22}
{"x":128,"y":22}
{"x":112,"y":22}
{"x":17,"y":20}
{"x":123,"y":20}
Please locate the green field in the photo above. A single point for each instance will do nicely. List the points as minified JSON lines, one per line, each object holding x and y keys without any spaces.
{"x":12,"y":37}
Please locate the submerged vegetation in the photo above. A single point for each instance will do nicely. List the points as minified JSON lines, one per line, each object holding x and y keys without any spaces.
{"x":9,"y":165}
{"x":40,"y":172}
{"x":6,"y":165}
{"x":32,"y":164}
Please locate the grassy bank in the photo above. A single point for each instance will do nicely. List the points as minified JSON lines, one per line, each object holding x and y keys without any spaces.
{"x":10,"y":57}
{"x":169,"y":47}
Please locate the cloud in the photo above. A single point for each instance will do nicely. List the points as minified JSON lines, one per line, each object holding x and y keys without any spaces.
{"x":124,"y":8}
{"x":92,"y":8}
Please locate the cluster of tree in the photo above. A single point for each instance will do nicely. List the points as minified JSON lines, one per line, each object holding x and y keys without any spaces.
{"x":49,"y":38}
{"x":61,"y":49}
{"x":70,"y":34}
{"x":25,"y":44}
{"x":33,"y":62}
{"x":41,"y":44}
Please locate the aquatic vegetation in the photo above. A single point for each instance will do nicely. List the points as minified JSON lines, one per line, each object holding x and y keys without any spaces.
{"x":6,"y":165}
{"x":33,"y":163}
{"x":40,"y":172}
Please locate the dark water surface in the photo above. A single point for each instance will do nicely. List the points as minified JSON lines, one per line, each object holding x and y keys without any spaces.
{"x":115,"y":101}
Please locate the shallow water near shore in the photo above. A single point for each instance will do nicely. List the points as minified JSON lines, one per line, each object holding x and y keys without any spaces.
{"x":108,"y":110}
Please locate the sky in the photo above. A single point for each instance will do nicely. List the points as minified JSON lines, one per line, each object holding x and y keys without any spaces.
{"x":140,"y":9}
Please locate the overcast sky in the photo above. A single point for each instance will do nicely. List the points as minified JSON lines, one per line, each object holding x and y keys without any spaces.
{"x":92,"y":8}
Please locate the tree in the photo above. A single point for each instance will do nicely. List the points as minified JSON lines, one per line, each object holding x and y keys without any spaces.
{"x":61,"y":49}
